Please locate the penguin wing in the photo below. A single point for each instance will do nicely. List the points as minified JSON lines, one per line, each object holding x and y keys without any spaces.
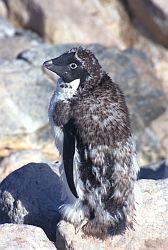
{"x":68,"y":156}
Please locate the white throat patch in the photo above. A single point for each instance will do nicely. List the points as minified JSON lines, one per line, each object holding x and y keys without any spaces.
{"x":74,"y":84}
{"x":67,"y":92}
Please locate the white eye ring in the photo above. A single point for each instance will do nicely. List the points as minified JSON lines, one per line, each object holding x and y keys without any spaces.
{"x":73,"y":65}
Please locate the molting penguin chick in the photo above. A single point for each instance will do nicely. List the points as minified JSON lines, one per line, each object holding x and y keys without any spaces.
{"x":104,"y":161}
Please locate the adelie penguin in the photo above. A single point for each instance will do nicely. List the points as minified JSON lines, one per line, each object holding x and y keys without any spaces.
{"x":97,"y":147}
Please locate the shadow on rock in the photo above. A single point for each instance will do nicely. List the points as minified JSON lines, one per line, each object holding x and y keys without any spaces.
{"x":32,"y":195}
{"x":155,"y":171}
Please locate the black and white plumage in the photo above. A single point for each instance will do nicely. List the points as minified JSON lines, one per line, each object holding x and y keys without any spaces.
{"x":102,"y":154}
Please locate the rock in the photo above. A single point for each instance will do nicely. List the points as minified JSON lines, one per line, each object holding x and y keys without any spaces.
{"x":91,"y":17}
{"x":32,"y":195}
{"x":159,"y":126}
{"x":13,"y":237}
{"x":150,"y":229}
{"x":152,"y":16}
{"x":93,"y":21}
{"x":13,"y":41}
{"x":6,"y":29}
{"x":21,"y":40}
{"x":161,"y":68}
{"x":25,"y":92}
{"x":17,"y":159}
{"x":155,"y":52}
{"x":155,"y":171}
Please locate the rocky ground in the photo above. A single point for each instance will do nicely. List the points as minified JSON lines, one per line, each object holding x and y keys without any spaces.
{"x":32,"y":194}
{"x":130,"y":39}
{"x":149,"y":233}
{"x":26,"y":237}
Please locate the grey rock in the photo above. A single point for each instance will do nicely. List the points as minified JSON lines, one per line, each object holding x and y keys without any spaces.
{"x":150,"y":229}
{"x":32,"y":195}
{"x":25,"y":92}
{"x":22,"y":237}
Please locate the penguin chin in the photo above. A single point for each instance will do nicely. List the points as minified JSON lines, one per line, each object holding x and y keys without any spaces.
{"x":74,"y":85}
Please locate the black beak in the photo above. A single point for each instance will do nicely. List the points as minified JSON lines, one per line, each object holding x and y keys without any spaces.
{"x":52,"y":67}
{"x":47,"y":64}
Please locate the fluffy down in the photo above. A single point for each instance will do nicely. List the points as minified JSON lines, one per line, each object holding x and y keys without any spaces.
{"x":104,"y":161}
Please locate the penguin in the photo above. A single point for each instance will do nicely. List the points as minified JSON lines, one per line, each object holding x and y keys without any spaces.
{"x":102,"y":158}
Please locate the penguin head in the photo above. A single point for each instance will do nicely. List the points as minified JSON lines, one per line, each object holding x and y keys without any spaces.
{"x":68,"y":67}
{"x":77,"y":63}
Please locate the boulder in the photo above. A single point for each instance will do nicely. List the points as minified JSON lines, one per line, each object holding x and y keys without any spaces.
{"x":150,"y":230}
{"x":73,"y":22}
{"x":32,"y":195}
{"x":13,"y":237}
{"x":25,"y":92}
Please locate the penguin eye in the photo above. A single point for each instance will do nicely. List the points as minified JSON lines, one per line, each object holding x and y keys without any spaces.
{"x":73,"y":65}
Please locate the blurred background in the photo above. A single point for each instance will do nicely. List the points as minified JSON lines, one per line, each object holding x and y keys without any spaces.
{"x":130,"y":39}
